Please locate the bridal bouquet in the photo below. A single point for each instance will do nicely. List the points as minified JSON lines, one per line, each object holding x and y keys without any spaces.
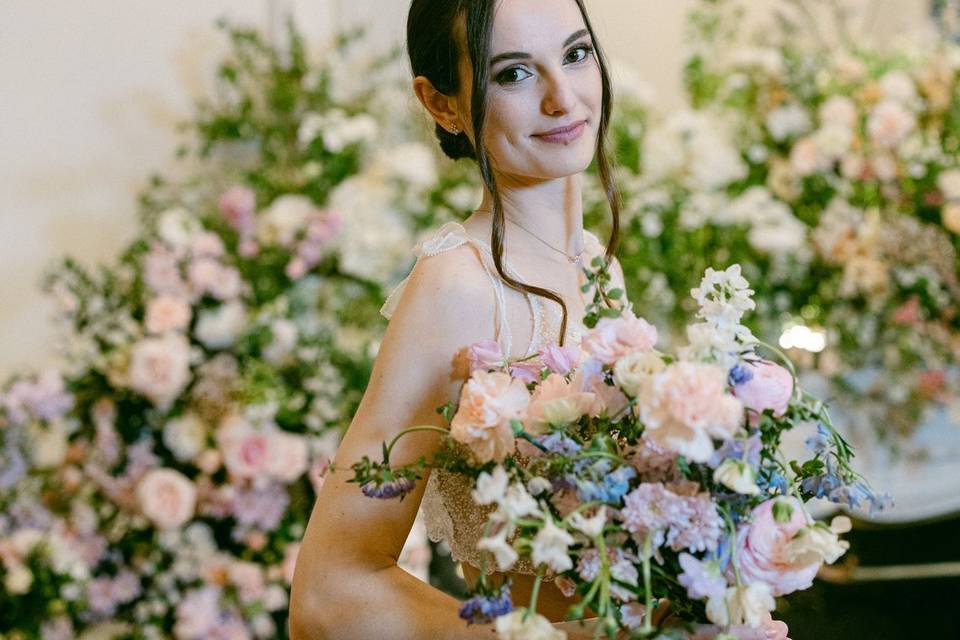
{"x":631,"y":476}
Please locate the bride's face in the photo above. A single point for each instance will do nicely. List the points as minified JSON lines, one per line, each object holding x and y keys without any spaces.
{"x":543,"y":76}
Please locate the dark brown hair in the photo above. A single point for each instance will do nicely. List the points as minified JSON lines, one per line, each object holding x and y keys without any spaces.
{"x":434,"y":52}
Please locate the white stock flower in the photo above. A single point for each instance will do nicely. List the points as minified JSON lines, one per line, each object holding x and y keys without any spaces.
{"x":550,"y":547}
{"x":591,"y":527}
{"x":504,"y":554}
{"x":219,"y":328}
{"x":742,"y":605}
{"x":737,"y":476}
{"x":491,"y":487}
{"x":536,"y":627}
{"x":517,"y":503}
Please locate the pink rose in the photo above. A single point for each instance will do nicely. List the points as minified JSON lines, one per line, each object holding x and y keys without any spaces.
{"x":167,"y":313}
{"x":685,"y":406}
{"x":166,"y":497}
{"x":771,"y":387}
{"x":559,"y":359}
{"x":556,"y":401}
{"x":485,"y":355}
{"x":160,"y":368}
{"x":288,"y":456}
{"x":613,"y":338}
{"x":237,"y":205}
{"x":246,"y":451}
{"x":762,"y":548}
{"x":206,"y":243}
{"x":488,"y":401}
{"x":290,"y":555}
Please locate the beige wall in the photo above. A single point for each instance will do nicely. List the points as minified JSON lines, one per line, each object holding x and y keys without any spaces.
{"x":91,"y":90}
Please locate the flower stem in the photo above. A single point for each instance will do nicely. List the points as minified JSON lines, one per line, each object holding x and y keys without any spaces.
{"x":424,"y":427}
{"x":647,"y":582}
{"x":536,"y":593}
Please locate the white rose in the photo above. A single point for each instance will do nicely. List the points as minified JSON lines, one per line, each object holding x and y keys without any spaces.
{"x":167,"y":313}
{"x":284,"y":218}
{"x":819,"y":543}
{"x":737,"y":476}
{"x":633,"y":370}
{"x":18,"y":580}
{"x":166,"y":497}
{"x":219,"y":328}
{"x":889,"y":123}
{"x":160,"y":368}
{"x":536,"y":627}
{"x":840,"y":111}
{"x":185,"y":437}
{"x":949,"y":183}
{"x":787,"y":121}
{"x":411,"y":162}
{"x":177,"y":227}
{"x":950,"y":215}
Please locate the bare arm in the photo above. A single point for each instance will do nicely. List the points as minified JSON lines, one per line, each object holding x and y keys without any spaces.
{"x":347,"y":584}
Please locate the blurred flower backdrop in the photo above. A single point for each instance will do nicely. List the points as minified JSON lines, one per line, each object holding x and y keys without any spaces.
{"x":163,"y":479}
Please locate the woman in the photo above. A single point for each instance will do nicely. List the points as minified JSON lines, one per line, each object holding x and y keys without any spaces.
{"x":528,"y":79}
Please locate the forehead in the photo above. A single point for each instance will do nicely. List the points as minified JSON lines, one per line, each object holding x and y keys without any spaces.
{"x":532,"y":25}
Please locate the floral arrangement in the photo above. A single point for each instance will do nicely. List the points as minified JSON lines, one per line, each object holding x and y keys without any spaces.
{"x":824,"y":164}
{"x":159,"y":483}
{"x":631,"y":476}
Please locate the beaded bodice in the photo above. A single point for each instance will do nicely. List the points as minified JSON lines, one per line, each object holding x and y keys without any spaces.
{"x":450,"y":513}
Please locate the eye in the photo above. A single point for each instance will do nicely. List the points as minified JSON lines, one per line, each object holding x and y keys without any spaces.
{"x":585,"y":48}
{"x":506,"y":77}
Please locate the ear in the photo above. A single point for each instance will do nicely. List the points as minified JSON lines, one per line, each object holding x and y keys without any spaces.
{"x":442,"y":108}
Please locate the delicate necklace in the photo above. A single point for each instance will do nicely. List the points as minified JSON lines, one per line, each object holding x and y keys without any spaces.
{"x":572,"y":259}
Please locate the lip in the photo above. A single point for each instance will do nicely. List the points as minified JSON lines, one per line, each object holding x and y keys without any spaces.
{"x":563,"y":134}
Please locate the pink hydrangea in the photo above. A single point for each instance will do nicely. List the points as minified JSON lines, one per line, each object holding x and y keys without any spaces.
{"x":762,"y":548}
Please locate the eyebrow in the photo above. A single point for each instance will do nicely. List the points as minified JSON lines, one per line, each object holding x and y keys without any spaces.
{"x":522,"y":55}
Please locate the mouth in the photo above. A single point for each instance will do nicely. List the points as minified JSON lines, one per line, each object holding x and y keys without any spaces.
{"x":563,"y":134}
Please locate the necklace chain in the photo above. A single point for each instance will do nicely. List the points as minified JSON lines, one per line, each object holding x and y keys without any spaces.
{"x":572,"y":259}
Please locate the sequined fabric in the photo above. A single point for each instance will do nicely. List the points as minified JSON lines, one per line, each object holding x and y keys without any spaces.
{"x":449,"y":510}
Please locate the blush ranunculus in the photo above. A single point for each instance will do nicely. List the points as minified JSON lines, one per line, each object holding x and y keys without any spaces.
{"x":488,"y":401}
{"x":763,"y":548}
{"x":770,"y":387}
{"x":167,"y":313}
{"x":166,"y":497}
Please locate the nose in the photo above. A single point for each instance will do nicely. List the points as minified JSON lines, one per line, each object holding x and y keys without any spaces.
{"x":558,"y":95}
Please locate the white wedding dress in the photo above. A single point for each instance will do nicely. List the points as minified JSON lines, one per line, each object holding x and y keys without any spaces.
{"x":449,"y":512}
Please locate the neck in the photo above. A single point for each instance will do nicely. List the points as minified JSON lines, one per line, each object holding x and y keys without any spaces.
{"x":552,"y":210}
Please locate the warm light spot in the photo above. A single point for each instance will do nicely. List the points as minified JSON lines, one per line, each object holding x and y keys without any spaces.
{"x":802,"y":337}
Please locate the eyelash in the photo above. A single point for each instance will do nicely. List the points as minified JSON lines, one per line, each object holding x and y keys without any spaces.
{"x":501,"y":77}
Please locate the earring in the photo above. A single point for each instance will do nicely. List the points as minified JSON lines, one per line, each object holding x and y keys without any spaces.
{"x":456,"y":129}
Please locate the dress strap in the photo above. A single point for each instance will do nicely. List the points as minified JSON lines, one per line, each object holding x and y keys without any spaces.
{"x":449,"y":236}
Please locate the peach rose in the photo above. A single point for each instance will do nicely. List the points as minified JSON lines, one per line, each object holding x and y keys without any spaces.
{"x":556,"y":401}
{"x":166,"y":497}
{"x":167,"y":313}
{"x":488,"y":401}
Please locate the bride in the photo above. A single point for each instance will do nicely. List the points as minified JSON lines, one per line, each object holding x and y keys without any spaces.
{"x":529,"y":80}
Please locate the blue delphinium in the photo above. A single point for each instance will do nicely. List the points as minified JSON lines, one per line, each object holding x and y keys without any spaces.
{"x":556,"y":442}
{"x":603,"y":486}
{"x":819,"y":443}
{"x":484,"y":608}
{"x":733,"y":448}
{"x":739,"y":374}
